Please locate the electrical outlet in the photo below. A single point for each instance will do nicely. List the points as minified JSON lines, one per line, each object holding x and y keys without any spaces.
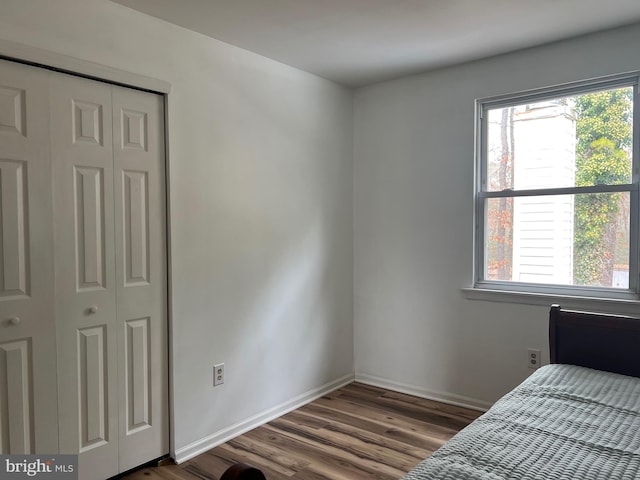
{"x":218,"y":374}
{"x":533,"y":358}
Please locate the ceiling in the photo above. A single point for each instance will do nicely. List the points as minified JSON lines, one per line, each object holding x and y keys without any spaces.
{"x":358,"y":42}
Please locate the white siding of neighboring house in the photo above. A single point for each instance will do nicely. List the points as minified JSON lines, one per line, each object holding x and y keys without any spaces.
{"x":544,"y":156}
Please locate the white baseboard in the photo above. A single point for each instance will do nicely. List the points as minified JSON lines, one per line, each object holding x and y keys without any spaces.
{"x":207,"y":443}
{"x":450,"y":398}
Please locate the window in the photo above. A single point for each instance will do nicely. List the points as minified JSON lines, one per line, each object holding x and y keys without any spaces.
{"x":557,"y":199}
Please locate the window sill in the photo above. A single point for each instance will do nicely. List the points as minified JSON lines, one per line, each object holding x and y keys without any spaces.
{"x":610,"y":305}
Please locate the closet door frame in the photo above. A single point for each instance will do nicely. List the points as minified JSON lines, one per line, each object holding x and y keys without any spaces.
{"x":38,"y":57}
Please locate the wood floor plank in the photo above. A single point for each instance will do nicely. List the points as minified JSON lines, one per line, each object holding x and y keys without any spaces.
{"x":391,"y":417}
{"x":323,"y":452}
{"x":281,"y":459}
{"x":207,"y":467}
{"x":415,"y":412}
{"x":370,"y":420}
{"x":452,"y":411}
{"x":376,"y":450}
{"x":310,"y":420}
{"x":369,"y":433}
{"x":368,"y":439}
{"x":201,"y":469}
{"x":358,"y":432}
{"x":370,"y":391}
{"x":167,"y":472}
{"x":257,"y":453}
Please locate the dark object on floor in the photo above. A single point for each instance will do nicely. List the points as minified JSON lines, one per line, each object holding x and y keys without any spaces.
{"x":242,"y":471}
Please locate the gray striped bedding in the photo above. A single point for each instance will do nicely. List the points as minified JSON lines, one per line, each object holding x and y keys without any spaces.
{"x":563,"y":422}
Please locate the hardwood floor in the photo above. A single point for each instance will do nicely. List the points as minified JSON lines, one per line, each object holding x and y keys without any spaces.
{"x":355,"y":433}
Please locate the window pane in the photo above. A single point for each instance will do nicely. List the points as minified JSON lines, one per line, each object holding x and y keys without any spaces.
{"x":559,"y":239}
{"x":563,"y":142}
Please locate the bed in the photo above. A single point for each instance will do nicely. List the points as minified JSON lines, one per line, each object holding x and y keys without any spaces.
{"x":577,"y":418}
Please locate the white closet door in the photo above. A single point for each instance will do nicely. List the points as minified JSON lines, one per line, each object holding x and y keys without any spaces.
{"x":109,"y":203}
{"x":82,"y":158}
{"x":28,"y":403}
{"x":138,"y":147}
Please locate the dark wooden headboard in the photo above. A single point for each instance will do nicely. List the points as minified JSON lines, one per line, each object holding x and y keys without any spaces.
{"x":595,"y":340}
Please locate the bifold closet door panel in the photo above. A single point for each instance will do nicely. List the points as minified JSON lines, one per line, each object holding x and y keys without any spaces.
{"x":82,"y":160}
{"x":28,"y":400}
{"x":138,"y":146}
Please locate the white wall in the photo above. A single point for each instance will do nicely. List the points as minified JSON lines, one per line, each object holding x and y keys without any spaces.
{"x":413,"y":203}
{"x":261,"y":210}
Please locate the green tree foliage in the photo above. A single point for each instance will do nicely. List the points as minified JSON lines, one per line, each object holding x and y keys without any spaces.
{"x":603,"y":142}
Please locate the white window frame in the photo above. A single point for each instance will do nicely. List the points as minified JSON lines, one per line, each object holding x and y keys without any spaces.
{"x":482,"y":194}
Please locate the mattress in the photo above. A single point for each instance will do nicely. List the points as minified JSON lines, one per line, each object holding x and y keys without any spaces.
{"x":563,"y":422}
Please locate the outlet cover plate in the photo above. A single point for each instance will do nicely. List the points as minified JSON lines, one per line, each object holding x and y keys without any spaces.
{"x":533,"y":358}
{"x":218,"y":374}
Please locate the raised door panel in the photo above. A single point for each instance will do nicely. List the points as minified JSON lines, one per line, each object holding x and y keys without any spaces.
{"x":89,"y":222}
{"x":137,"y":380}
{"x":82,"y":157}
{"x":14,"y":230}
{"x":13,"y":115}
{"x":28,"y":404}
{"x":141,"y":274}
{"x":92,"y":387}
{"x":135,"y":211}
{"x":17,"y":422}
